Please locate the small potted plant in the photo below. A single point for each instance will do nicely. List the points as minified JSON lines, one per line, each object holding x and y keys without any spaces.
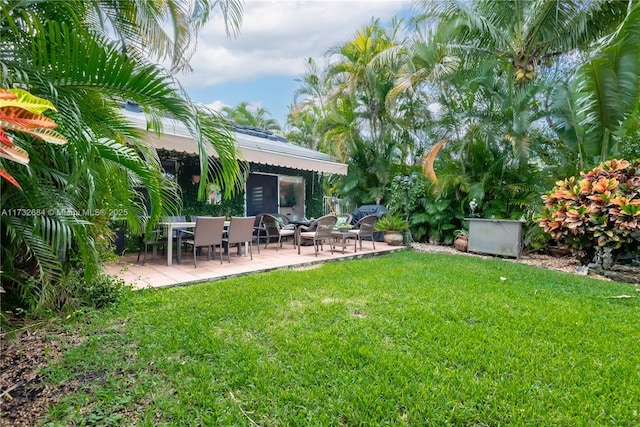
{"x":393,"y":226}
{"x":461,"y":242}
{"x":344,"y":228}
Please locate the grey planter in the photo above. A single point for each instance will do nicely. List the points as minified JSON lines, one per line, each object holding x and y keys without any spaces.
{"x":495,"y":236}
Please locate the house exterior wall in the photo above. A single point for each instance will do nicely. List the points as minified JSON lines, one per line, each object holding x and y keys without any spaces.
{"x":188,"y":165}
{"x":314,"y":191}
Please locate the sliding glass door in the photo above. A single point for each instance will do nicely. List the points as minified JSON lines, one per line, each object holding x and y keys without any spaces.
{"x":276,"y":194}
{"x":262,"y":194}
{"x":292,"y":196}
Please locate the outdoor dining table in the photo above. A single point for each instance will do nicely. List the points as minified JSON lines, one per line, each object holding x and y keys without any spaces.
{"x":171,"y":225}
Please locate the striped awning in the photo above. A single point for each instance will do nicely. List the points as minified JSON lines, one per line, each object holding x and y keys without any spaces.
{"x":252,"y":148}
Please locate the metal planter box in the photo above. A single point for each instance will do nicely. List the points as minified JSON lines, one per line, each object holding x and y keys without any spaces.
{"x":495,"y":236}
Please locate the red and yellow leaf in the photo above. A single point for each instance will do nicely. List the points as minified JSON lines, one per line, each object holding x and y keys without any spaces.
{"x":47,"y":135}
{"x":6,"y":94}
{"x":6,"y":175}
{"x":23,"y":119}
{"x":23,"y":99}
{"x":14,"y":153}
{"x":5,"y":139}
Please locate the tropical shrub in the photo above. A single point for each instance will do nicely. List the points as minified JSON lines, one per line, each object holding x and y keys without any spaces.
{"x":437,"y":218}
{"x":88,"y":59}
{"x":598,"y":216}
{"x":473,"y":178}
{"x":100,"y":291}
{"x":392,"y":222}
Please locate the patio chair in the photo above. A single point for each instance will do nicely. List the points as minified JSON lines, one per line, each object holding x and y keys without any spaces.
{"x":240,"y":231}
{"x":273,"y":229}
{"x":154,"y":239}
{"x":208,"y":232}
{"x":365,"y":228}
{"x":259,"y":231}
{"x":319,"y":231}
{"x":284,"y":221}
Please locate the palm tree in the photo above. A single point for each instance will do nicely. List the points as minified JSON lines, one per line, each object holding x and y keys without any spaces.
{"x":304,"y":126}
{"x":306,"y":119}
{"x":516,"y":40}
{"x":523,"y":34}
{"x":315,"y":87}
{"x":358,"y":124}
{"x":86,"y":57}
{"x":607,"y":92}
{"x":594,"y":112}
{"x":245,"y":115}
{"x":357,"y":74}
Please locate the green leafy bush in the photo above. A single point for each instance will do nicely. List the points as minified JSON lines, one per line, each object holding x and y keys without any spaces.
{"x":598,"y":216}
{"x":74,"y":292}
{"x":433,"y":215}
{"x":102,"y":290}
{"x":392,"y":223}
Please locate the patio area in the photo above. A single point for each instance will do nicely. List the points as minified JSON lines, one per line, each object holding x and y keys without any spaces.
{"x":156,"y":273}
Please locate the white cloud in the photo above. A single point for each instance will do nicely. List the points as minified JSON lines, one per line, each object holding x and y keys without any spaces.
{"x":276,"y":37}
{"x":216,"y":105}
{"x":219,"y":105}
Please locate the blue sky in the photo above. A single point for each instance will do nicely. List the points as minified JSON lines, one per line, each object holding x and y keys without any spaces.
{"x":261,"y":64}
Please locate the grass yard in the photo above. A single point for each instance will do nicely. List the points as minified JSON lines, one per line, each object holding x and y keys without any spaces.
{"x":404,"y":339}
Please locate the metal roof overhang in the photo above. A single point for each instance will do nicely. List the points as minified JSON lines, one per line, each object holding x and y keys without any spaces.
{"x":252,"y":149}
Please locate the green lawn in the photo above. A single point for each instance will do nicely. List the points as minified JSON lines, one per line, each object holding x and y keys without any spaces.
{"x":404,"y":339}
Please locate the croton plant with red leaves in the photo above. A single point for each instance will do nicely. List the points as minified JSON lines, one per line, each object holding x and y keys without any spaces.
{"x":597,"y":214}
{"x":22,"y":112}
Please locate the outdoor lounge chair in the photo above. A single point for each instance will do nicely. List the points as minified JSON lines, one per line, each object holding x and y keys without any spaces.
{"x":274,"y":229}
{"x":319,"y":231}
{"x":365,"y":228}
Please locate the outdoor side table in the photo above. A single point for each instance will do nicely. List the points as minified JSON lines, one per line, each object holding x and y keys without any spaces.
{"x":343,"y":237}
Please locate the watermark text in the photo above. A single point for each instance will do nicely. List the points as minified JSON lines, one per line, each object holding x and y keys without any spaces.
{"x":24,"y":212}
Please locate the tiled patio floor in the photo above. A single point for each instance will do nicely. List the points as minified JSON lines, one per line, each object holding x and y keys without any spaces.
{"x":156,"y":272}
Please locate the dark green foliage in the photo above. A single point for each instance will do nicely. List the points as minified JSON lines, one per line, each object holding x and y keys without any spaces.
{"x":72,"y":293}
{"x":101,"y":291}
{"x":188,"y":165}
{"x":432,"y":216}
{"x":315,"y":193}
{"x":61,"y":52}
{"x":437,"y":219}
{"x":392,"y":222}
{"x":500,"y":185}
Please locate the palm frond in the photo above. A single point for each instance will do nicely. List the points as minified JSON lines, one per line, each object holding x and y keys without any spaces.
{"x":609,"y":86}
